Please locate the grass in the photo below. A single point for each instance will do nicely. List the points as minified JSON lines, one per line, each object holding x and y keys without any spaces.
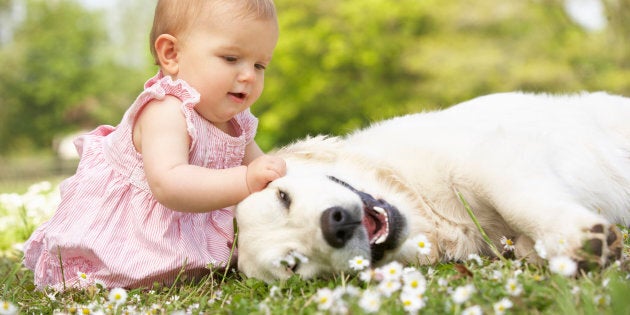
{"x":530,"y":289}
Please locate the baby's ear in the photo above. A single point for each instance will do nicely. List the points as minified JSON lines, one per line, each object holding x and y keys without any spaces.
{"x":166,"y":49}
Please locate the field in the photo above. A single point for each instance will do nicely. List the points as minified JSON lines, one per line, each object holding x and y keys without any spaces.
{"x":478,"y":285}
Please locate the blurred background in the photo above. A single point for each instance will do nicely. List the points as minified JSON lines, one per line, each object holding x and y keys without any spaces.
{"x":67,"y":66}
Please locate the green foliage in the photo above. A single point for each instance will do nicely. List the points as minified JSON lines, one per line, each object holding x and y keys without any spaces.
{"x":540,"y":292}
{"x":53,"y":77}
{"x":343,"y":64}
{"x":339,"y":65}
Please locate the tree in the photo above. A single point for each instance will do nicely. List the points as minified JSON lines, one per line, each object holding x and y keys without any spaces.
{"x":340,"y":65}
{"x":54,"y":79}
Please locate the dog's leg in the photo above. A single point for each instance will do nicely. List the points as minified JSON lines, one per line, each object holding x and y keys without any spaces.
{"x":563,"y":226}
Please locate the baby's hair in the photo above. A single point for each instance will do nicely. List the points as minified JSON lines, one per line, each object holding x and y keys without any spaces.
{"x":176,"y":16}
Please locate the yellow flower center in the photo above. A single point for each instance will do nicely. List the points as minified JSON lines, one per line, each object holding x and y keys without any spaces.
{"x":5,"y":305}
{"x":421,"y":244}
{"x":509,"y":242}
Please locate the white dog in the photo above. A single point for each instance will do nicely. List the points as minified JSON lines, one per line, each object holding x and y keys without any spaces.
{"x":532,"y":168}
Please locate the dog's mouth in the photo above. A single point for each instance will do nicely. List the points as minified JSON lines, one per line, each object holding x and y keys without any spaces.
{"x":382,"y":221}
{"x":376,"y":223}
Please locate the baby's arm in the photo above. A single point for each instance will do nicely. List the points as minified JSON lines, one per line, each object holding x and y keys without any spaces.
{"x":161,"y":136}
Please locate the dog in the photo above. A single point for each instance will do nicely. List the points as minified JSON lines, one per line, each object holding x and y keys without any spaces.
{"x":544,"y":172}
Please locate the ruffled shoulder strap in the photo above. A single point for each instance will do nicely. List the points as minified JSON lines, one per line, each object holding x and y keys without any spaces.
{"x":157,"y":88}
{"x":248,"y":124}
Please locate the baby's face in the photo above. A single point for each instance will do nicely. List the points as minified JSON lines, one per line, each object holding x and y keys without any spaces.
{"x":224,"y":57}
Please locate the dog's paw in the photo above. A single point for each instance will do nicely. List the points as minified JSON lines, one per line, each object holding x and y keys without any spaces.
{"x":602,"y":246}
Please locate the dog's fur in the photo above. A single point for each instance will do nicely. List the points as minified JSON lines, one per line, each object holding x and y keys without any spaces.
{"x":554,"y":169}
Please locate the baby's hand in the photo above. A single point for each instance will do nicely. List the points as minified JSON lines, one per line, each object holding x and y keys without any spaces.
{"x":263,"y":170}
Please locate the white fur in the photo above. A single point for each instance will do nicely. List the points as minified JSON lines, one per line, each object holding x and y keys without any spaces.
{"x":532,"y":167}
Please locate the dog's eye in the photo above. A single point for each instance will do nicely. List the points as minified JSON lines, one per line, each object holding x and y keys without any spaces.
{"x":284,"y":197}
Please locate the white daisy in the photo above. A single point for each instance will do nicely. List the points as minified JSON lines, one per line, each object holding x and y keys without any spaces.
{"x":463,"y":293}
{"x":117,"y":296}
{"x":7,"y":308}
{"x":563,"y":265}
{"x":513,"y":287}
{"x":502,"y":306}
{"x":540,"y":249}
{"x":412,"y":303}
{"x":507,"y":243}
{"x":476,"y":259}
{"x":414,"y":282}
{"x":422,"y":244}
{"x":388,"y":286}
{"x":359,"y":263}
{"x":601,"y":300}
{"x":84,"y":279}
{"x":324,"y":298}
{"x":370,"y":301}
{"x":392,"y":271}
{"x":367,"y":275}
{"x":472,"y":310}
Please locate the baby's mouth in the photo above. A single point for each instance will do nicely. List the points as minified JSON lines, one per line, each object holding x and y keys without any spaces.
{"x":239,"y":96}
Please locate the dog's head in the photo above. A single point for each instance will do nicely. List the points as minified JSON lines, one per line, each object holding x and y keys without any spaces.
{"x":313,"y":225}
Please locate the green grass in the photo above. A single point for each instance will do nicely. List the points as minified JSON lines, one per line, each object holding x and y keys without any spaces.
{"x":539,"y":290}
{"x":542,"y":293}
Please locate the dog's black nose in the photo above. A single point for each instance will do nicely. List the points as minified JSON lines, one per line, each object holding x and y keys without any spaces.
{"x":338,"y":225}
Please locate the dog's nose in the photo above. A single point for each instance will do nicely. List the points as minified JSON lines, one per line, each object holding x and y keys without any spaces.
{"x":338,"y":225}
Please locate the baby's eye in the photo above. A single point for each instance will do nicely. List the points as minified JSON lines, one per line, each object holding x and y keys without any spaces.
{"x":260,"y":66}
{"x":230,"y":58}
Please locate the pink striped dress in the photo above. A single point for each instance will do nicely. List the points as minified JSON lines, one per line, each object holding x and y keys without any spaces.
{"x":109,"y":228}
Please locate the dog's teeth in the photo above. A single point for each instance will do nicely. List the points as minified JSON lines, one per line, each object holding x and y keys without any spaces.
{"x":379,"y":210}
{"x":381,"y":239}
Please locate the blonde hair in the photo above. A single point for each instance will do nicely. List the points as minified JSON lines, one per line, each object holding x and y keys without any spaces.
{"x":177,"y":16}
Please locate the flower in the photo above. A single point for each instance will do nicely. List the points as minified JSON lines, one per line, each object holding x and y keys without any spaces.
{"x":513,"y":287}
{"x":496,"y":275}
{"x":540,"y":249}
{"x":324,"y":299}
{"x":359,"y":263}
{"x":388,"y":286}
{"x":475,"y":258}
{"x":370,"y":301}
{"x":7,"y":308}
{"x":507,"y":243}
{"x":84,"y":279}
{"x":414,"y":282}
{"x":412,"y":303}
{"x":391,"y":271}
{"x":442,"y":282}
{"x":601,"y":300}
{"x":563,"y":265}
{"x":502,"y":306}
{"x":575,"y":290}
{"x":473,"y":310}
{"x":422,"y":244}
{"x":463,"y":293}
{"x":290,"y":260}
{"x":366,"y":275}
{"x":117,"y":296}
